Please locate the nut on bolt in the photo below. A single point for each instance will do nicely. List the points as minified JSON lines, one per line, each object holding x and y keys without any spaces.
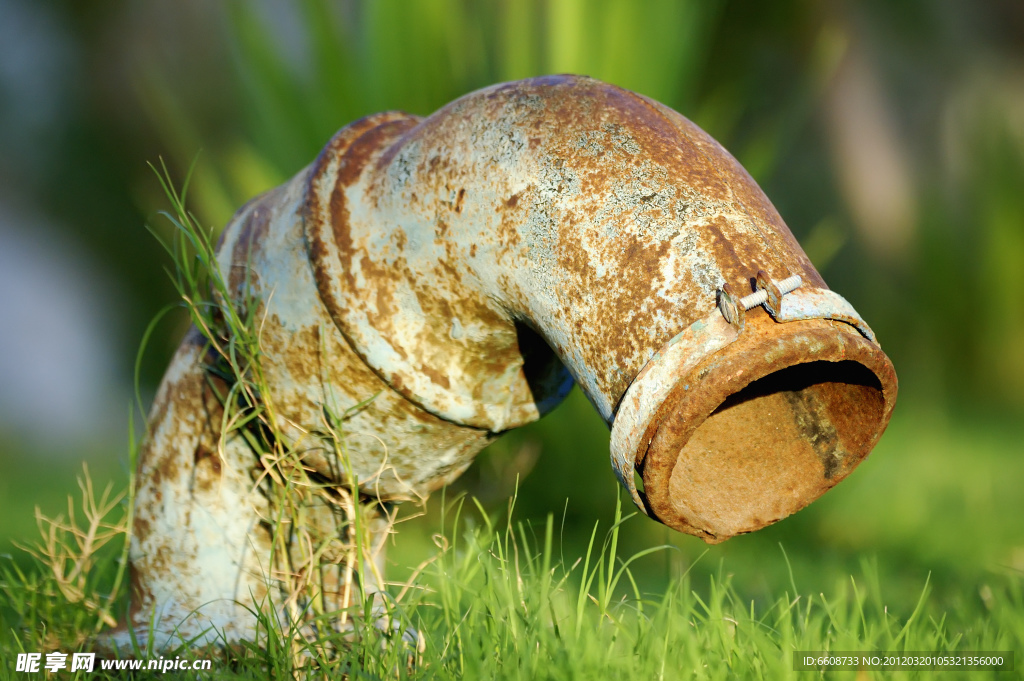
{"x":768,"y":293}
{"x":732,"y":309}
{"x":775,"y":290}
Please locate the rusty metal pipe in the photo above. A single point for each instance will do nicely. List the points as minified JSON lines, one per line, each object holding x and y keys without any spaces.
{"x":464,"y":269}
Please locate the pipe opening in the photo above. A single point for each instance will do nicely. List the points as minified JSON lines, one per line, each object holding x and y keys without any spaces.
{"x":547,"y":377}
{"x":775,"y":445}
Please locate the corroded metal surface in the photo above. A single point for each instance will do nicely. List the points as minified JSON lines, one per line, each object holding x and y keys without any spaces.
{"x":821,"y":304}
{"x":441,"y":280}
{"x":743,"y":436}
{"x":197,"y":548}
{"x":603,"y":220}
{"x":651,"y":387}
{"x":642,"y":408}
{"x":308,"y":363}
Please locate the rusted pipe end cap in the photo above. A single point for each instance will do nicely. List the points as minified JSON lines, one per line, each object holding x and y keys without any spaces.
{"x":765,"y":426}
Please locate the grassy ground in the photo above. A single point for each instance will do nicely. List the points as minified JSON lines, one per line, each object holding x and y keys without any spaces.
{"x":919,"y":550}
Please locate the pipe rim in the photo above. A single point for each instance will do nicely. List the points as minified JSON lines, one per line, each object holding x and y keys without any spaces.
{"x":764,"y":350}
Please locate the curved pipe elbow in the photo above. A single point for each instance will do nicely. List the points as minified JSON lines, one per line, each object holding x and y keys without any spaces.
{"x":561,"y":227}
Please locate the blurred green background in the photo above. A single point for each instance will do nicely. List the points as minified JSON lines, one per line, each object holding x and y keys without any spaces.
{"x":889,"y":134}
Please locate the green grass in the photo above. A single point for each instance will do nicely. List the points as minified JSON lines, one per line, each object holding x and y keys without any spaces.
{"x":922,"y":548}
{"x":498,"y":599}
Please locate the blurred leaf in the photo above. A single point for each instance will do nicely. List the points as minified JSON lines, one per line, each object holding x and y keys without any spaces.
{"x":823,"y":242}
